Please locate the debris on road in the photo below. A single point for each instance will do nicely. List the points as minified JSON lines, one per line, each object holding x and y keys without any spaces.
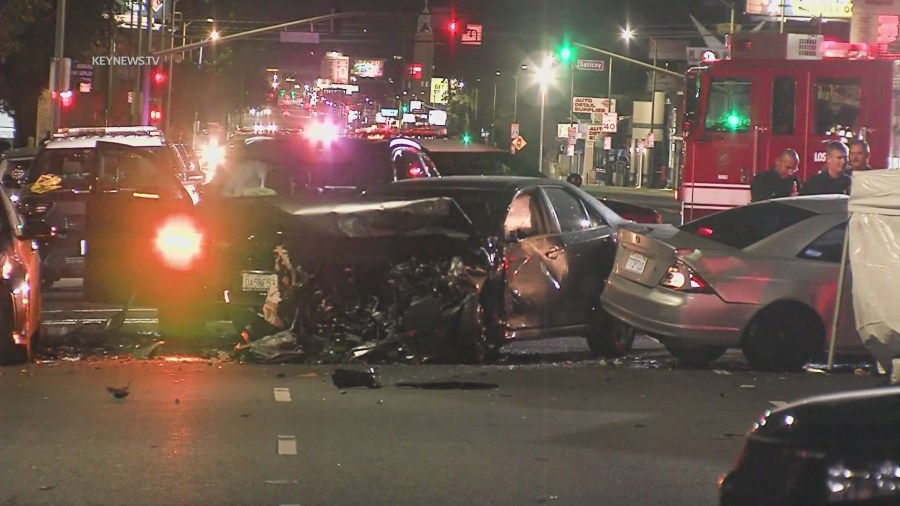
{"x":346,"y":378}
{"x":147,"y":352}
{"x":119,"y":393}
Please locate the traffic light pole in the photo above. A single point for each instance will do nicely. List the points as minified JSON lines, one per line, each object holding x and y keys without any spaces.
{"x":274,"y":28}
{"x":55,"y":100}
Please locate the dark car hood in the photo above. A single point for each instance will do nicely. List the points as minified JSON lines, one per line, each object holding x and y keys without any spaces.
{"x":832,"y":422}
{"x":384,"y":218}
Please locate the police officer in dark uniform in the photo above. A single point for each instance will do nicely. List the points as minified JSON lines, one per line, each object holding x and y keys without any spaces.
{"x":778,"y":182}
{"x":834,"y":177}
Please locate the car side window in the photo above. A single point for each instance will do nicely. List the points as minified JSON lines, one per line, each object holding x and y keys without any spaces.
{"x":828,"y":247}
{"x":595,"y":219}
{"x":408,"y":164}
{"x":569,"y":210}
{"x":524,"y":218}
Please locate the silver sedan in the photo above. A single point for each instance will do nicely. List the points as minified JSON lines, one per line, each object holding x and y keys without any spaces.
{"x":761,"y":277}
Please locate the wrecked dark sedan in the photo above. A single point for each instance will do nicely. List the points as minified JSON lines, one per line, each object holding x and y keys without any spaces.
{"x":423,"y":268}
{"x":834,"y":449}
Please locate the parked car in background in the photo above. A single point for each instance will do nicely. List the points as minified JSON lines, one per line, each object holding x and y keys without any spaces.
{"x":833,"y":449}
{"x":761,"y":277}
{"x":14,"y":166}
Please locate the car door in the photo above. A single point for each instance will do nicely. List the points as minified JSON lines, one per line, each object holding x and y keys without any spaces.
{"x":586,"y":239}
{"x":535,"y":264}
{"x":134,"y":195}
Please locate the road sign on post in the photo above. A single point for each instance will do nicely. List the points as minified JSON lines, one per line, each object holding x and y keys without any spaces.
{"x":595,"y":65}
{"x":513,"y":130}
{"x":610,"y":123}
{"x":518,"y":143}
{"x":472,"y":37}
{"x":573,"y":135}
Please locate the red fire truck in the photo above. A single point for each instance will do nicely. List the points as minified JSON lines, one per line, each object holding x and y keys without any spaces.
{"x":780,"y":91}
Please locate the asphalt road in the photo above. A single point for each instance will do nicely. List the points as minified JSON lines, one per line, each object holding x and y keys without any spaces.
{"x":199,"y":432}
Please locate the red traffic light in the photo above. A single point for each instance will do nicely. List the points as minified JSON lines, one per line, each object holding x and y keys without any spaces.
{"x":452,"y":26}
{"x":66,"y":98}
{"x":415,"y":71}
{"x":159,"y":77}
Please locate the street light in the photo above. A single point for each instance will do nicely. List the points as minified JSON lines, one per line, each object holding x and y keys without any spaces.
{"x":214,"y":35}
{"x":628,"y":33}
{"x":544,"y":76}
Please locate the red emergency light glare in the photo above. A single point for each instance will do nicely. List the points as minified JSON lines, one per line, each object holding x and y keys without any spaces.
{"x":179,"y":242}
{"x":415,"y":71}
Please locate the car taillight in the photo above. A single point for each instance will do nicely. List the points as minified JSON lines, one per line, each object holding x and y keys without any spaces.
{"x":683,"y":279}
{"x":34,"y":209}
{"x":179,"y":242}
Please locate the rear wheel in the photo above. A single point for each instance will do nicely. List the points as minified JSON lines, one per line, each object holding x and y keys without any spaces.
{"x":474,"y":331}
{"x":697,"y":356}
{"x":10,"y":352}
{"x":608,"y":336}
{"x":783,"y":337}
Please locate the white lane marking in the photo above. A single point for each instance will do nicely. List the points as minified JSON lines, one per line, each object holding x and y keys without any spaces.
{"x":287,"y":445}
{"x":748,"y":386}
{"x":111,"y":310}
{"x":282,"y":394}
{"x":778,"y":404}
{"x":96,"y":320}
{"x":721,"y":372}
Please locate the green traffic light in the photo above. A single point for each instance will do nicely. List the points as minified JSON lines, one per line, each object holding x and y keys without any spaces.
{"x":466,"y":139}
{"x":565,"y":53}
{"x":733,"y":121}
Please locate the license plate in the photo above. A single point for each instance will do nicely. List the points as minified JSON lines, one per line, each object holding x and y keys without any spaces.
{"x":257,"y":281}
{"x":74,"y":260}
{"x":636,"y":263}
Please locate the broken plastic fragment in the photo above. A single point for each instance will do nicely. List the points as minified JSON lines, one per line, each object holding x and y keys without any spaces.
{"x":346,"y":378}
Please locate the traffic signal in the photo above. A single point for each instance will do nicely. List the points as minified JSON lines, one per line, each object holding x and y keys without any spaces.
{"x":66,"y":98}
{"x":155,"y":115}
{"x":466,"y":138}
{"x":159,"y":77}
{"x":566,"y":53}
{"x":453,"y":26}
{"x":415,"y":71}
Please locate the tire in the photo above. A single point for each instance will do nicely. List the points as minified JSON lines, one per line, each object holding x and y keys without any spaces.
{"x":474,"y":332}
{"x":698,"y":356}
{"x":609,"y":337}
{"x":783,"y":338}
{"x":10,"y":352}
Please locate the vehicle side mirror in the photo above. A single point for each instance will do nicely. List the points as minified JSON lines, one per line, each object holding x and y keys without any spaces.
{"x":37,"y":230}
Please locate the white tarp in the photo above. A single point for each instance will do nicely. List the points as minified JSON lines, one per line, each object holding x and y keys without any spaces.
{"x":874,"y":256}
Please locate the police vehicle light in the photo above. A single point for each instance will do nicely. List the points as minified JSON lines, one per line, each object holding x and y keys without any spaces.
{"x":178,"y":242}
{"x":323,"y":132}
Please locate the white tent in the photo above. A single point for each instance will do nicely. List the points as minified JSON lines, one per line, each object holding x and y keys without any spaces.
{"x":872,"y":247}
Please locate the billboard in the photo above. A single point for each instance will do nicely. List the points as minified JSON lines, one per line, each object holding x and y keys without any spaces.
{"x":828,"y":9}
{"x":440,"y":86}
{"x":368,"y":68}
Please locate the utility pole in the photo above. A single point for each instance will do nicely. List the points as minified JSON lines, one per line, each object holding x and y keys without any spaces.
{"x":168,"y":108}
{"x":136,"y":95}
{"x":651,"y":158}
{"x":109,"y":73}
{"x":145,"y":78}
{"x":59,"y":78}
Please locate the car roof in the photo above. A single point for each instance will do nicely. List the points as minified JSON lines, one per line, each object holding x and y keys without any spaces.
{"x":91,"y":142}
{"x":820,"y":204}
{"x":455,"y":146}
{"x":497,"y":183}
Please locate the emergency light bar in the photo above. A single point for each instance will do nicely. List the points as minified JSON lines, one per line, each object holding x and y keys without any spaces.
{"x":67,"y":133}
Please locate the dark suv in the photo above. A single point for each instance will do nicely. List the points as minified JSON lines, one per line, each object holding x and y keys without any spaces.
{"x":67,"y":171}
{"x":214,"y":260}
